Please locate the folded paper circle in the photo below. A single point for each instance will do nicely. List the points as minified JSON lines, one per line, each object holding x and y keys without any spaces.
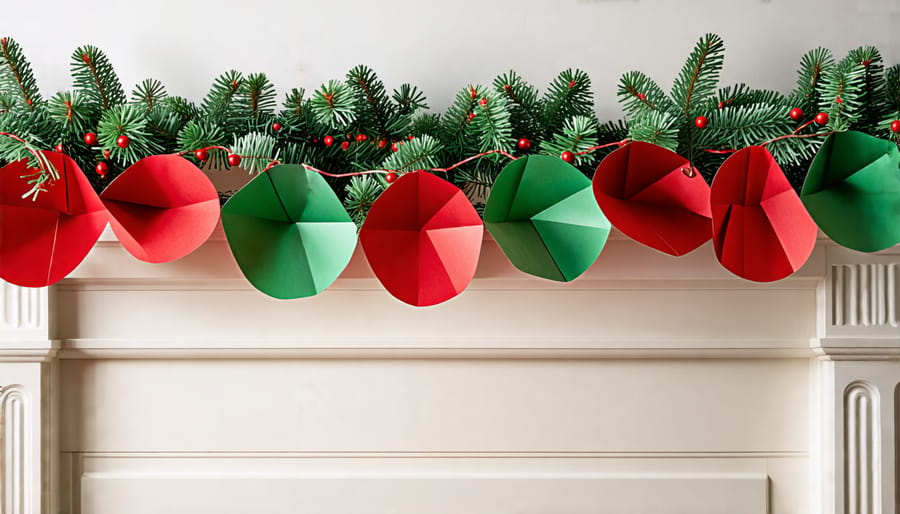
{"x":162,"y":208}
{"x":655,"y":197}
{"x":43,"y":239}
{"x":422,"y":238}
{"x":543,"y":216}
{"x":288,"y":232}
{"x":761,"y":230}
{"x":852,"y":191}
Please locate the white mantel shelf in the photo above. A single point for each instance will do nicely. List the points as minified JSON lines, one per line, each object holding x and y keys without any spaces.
{"x":650,"y":384}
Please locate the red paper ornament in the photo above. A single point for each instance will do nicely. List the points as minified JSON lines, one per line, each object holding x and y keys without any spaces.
{"x":422,"y":238}
{"x":761,"y":230}
{"x":567,"y":156}
{"x":102,"y":169}
{"x":123,"y":141}
{"x":276,"y":126}
{"x":391,"y":177}
{"x":162,"y":208}
{"x":90,"y":139}
{"x":895,"y":126}
{"x":822,"y":118}
{"x":655,"y":197}
{"x":59,"y":148}
{"x":46,"y":237}
{"x":523,"y":144}
{"x":796,"y":114}
{"x":328,"y":140}
{"x":201,"y":155}
{"x":234,"y":159}
{"x":345,"y":145}
{"x":701,"y":122}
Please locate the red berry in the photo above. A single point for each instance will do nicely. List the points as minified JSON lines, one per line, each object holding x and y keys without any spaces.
{"x":345,"y":145}
{"x":59,"y":148}
{"x":276,"y":126}
{"x":106,"y":154}
{"x":572,"y":84}
{"x":86,"y":58}
{"x":701,"y":122}
{"x":568,"y":156}
{"x":822,"y":118}
{"x":483,"y":101}
{"x":721,"y":105}
{"x":472,"y":92}
{"x":328,"y":140}
{"x":123,"y":141}
{"x":381,"y":144}
{"x":641,"y":96}
{"x":471,"y":116}
{"x":361,"y":137}
{"x":234,"y":159}
{"x":796,"y":114}
{"x":394,"y":147}
{"x":201,"y":155}
{"x":523,"y":143}
{"x":895,"y":126}
{"x":410,"y":137}
{"x":102,"y":169}
{"x":390,"y":177}
{"x":839,"y":100}
{"x":90,"y":139}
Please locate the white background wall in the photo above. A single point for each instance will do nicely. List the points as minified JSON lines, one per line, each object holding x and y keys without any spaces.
{"x":441,"y":45}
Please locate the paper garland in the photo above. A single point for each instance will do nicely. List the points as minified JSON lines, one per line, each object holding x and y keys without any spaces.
{"x":292,"y":238}
{"x":422,"y":238}
{"x":762,"y":232}
{"x":543,"y":216}
{"x":288,"y":232}
{"x":655,"y":197}
{"x":852,"y":191}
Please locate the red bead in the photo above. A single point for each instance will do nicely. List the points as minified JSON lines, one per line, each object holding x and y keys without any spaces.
{"x":471,"y":116}
{"x":483,"y":101}
{"x":328,"y":140}
{"x":102,"y":169}
{"x":234,"y":159}
{"x":895,"y":126}
{"x":410,"y":137}
{"x":123,"y":141}
{"x":201,"y":155}
{"x":90,"y":139}
{"x":361,"y":137}
{"x":523,"y":143}
{"x":472,"y":92}
{"x":390,"y":177}
{"x":721,"y":105}
{"x":381,"y":144}
{"x":839,"y":100}
{"x":568,"y":156}
{"x":345,"y":145}
{"x":701,"y":122}
{"x":394,"y":147}
{"x":59,"y":148}
{"x":822,"y":118}
{"x":796,"y":114}
{"x":276,"y":126}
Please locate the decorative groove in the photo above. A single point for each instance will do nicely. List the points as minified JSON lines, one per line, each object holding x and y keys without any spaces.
{"x":865,"y":295}
{"x":14,"y":451}
{"x":862,"y":450}
{"x":21,"y":307}
{"x":897,"y":447}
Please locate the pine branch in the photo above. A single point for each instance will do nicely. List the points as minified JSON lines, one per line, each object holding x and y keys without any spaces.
{"x":420,"y":153}
{"x":130,"y":121}
{"x":700,"y":75}
{"x":362,"y":191}
{"x":492,"y":121}
{"x":409,"y":99}
{"x":258,"y":150}
{"x":522,"y":103}
{"x":813,"y":66}
{"x":657,"y":127}
{"x":873,"y":96}
{"x":578,"y":134}
{"x":458,"y":134}
{"x":258,"y":95}
{"x":95,"y":77}
{"x":640,"y":95}
{"x":74,"y":114}
{"x":841,"y":92}
{"x":333,"y":105}
{"x":149,"y":92}
{"x":16,"y":77}
{"x":374,"y":109}
{"x":569,"y":95}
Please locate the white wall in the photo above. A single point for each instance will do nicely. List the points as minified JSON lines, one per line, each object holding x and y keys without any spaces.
{"x":441,"y":45}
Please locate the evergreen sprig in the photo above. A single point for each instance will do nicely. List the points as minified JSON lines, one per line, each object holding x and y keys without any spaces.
{"x":16,"y":77}
{"x":257,"y":148}
{"x":130,"y":121}
{"x":578,"y":134}
{"x":699,"y":76}
{"x":569,"y":95}
{"x":334,"y":106}
{"x":95,"y":77}
{"x":841,"y":94}
{"x":362,"y":191}
{"x":149,"y":92}
{"x":420,"y":153}
{"x":72,"y":112}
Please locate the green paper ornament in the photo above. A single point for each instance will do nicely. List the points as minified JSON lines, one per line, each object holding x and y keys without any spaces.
{"x":852,"y":191}
{"x":288,"y":232}
{"x":543,"y":215}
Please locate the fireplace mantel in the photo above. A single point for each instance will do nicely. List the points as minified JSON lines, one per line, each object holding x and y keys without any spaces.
{"x":651,"y":383}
